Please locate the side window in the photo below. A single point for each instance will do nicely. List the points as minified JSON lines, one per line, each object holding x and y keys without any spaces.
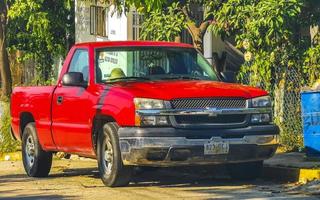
{"x":80,"y":63}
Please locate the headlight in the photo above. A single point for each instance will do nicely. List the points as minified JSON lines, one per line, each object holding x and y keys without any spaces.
{"x":261,"y":102}
{"x":149,"y":104}
{"x":144,"y":104}
{"x":258,"y":102}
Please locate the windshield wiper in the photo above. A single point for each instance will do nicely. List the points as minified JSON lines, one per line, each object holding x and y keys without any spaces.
{"x":127,"y":78}
{"x":182,"y":77}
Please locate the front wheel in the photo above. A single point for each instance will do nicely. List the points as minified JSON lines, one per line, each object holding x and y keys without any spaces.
{"x":36,"y":162}
{"x":245,"y":171}
{"x":112,"y":171}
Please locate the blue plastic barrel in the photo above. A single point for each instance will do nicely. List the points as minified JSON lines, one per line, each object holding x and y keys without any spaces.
{"x":310,"y":102}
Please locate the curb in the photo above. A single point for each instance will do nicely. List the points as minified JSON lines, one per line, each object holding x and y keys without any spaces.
{"x":290,"y":174}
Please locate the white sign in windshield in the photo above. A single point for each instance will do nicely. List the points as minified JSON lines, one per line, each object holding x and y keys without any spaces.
{"x":110,"y":60}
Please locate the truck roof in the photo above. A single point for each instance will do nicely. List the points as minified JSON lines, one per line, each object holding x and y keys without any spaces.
{"x":132,"y":43}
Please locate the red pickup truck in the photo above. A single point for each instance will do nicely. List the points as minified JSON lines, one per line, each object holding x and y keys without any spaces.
{"x":154,"y":104}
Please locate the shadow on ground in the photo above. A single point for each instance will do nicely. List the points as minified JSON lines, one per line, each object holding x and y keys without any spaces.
{"x":37,"y":197}
{"x":165,"y":177}
{"x":211,"y":182}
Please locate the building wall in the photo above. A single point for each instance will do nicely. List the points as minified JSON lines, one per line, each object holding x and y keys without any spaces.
{"x":82,"y":22}
{"x":116,"y":25}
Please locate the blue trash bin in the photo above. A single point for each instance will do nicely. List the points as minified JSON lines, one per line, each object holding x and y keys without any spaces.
{"x":310,"y":101}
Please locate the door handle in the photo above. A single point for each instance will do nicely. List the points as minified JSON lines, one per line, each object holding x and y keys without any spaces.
{"x":59,"y":100}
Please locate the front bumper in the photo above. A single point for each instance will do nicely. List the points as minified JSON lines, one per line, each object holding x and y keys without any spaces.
{"x":173,"y":147}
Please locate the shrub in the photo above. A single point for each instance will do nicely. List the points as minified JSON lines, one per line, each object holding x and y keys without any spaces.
{"x":7,"y":143}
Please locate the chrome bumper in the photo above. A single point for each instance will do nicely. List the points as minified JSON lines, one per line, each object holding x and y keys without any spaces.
{"x":165,"y":151}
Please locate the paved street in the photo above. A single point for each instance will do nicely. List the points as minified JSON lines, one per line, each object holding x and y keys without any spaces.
{"x":78,"y":179}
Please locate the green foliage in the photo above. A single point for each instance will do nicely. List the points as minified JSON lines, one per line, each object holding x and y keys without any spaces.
{"x":256,"y":71}
{"x":146,"y":5}
{"x":165,"y":20}
{"x":291,"y":139}
{"x":265,"y":24}
{"x":270,"y":34}
{"x":42,"y":30}
{"x":270,"y":31}
{"x":163,"y":26}
{"x":265,"y":29}
{"x":312,"y":64}
{"x":7,"y":144}
{"x":40,"y":81}
{"x":140,"y":5}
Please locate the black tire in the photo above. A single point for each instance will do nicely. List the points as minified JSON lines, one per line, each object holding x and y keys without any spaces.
{"x":111,"y":169}
{"x":36,"y":162}
{"x":245,"y":171}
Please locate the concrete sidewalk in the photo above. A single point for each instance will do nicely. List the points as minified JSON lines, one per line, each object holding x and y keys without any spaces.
{"x":291,"y":167}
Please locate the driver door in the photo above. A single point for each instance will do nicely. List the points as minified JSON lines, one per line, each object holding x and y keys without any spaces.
{"x":71,"y":125}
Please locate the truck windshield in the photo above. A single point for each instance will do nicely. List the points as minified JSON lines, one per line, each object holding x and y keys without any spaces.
{"x":151,"y":63}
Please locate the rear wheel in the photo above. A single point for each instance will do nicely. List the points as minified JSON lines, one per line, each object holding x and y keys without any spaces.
{"x":112,"y":171}
{"x":36,"y":162}
{"x":245,"y":171}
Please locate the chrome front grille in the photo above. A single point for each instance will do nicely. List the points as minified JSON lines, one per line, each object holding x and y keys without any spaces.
{"x":208,"y":103}
{"x":223,"y":121}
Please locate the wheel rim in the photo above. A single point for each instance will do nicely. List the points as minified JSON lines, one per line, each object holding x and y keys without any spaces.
{"x":30,"y":151}
{"x":108,"y":156}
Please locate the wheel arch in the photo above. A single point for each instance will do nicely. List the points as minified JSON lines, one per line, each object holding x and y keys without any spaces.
{"x":98,"y":122}
{"x":25,"y":118}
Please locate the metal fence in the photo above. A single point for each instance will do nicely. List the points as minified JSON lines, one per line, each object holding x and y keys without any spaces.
{"x":286,"y":85}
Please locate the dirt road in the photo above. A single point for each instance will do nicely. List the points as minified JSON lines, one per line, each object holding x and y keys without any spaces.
{"x":78,"y":179}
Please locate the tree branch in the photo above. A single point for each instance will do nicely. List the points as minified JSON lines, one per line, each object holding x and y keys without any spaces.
{"x":186,"y":13}
{"x":3,"y":22}
{"x":204,"y":26}
{"x":191,"y":26}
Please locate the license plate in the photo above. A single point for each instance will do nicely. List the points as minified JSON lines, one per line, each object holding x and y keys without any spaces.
{"x":216,"y":148}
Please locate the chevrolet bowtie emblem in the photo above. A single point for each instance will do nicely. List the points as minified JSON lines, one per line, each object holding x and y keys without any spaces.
{"x":212,"y":111}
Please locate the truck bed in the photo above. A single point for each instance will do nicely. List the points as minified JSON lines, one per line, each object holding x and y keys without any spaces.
{"x":33,"y":102}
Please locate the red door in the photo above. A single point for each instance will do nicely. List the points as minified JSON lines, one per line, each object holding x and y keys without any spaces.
{"x":71,"y":110}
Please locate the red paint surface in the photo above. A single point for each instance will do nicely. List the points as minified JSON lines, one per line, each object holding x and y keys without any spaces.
{"x":68,"y":127}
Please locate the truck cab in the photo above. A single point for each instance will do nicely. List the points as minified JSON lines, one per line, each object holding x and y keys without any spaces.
{"x":157,"y":104}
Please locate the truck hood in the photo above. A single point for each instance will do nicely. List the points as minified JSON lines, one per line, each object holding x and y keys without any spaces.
{"x":168,"y":90}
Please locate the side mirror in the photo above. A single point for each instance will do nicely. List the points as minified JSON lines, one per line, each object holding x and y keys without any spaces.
{"x":229,"y":76}
{"x":74,"y":79}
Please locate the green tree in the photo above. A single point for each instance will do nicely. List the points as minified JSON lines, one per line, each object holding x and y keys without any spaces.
{"x":164,"y":26}
{"x":175,"y":16}
{"x":165,"y":20}
{"x":6,"y":81}
{"x":272,"y":33}
{"x":41,"y":29}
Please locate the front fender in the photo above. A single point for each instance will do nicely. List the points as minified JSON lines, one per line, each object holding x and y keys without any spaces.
{"x":118,"y":106}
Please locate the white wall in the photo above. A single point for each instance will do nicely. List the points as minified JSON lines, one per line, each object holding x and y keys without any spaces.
{"x":207,"y":46}
{"x":116,"y":25}
{"x":211,"y":44}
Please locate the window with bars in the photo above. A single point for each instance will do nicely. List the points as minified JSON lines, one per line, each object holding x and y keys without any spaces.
{"x":137,"y":20}
{"x":98,"y":18}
